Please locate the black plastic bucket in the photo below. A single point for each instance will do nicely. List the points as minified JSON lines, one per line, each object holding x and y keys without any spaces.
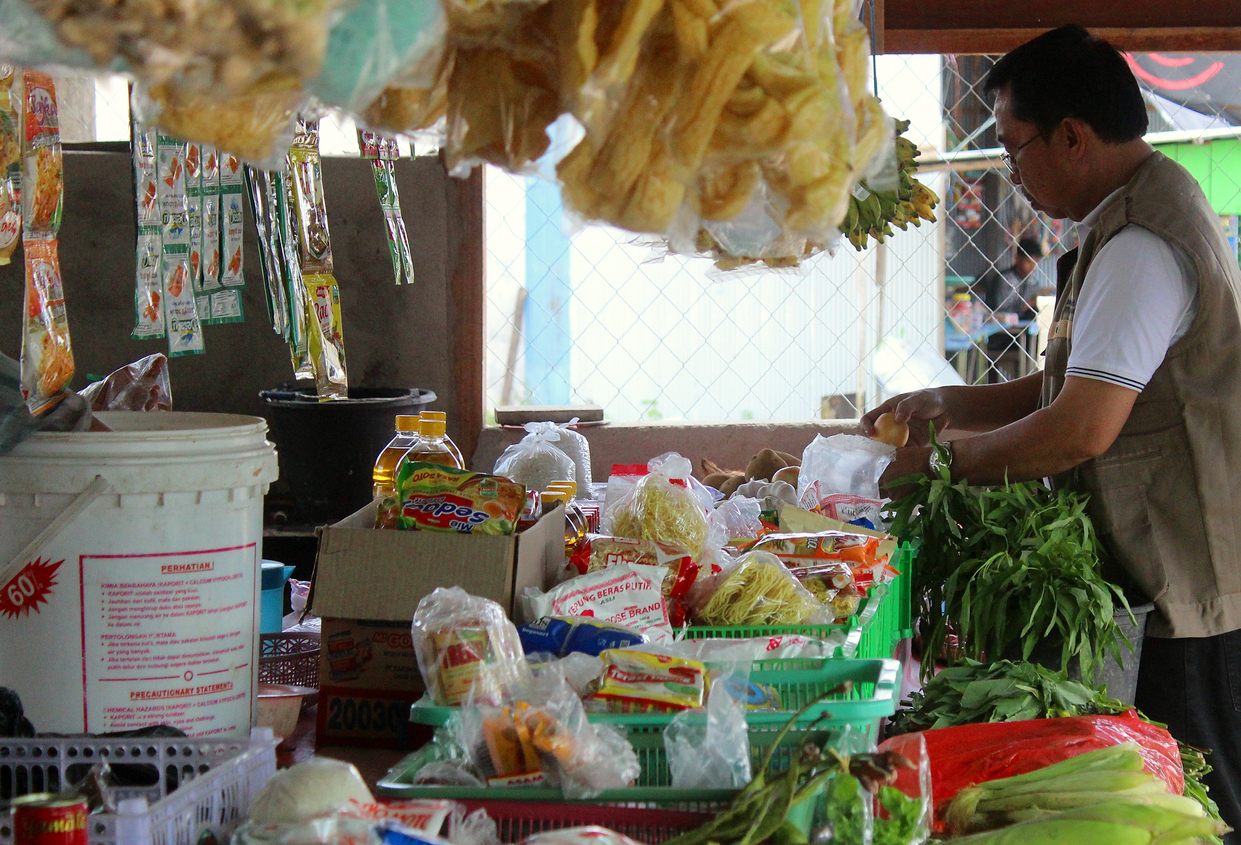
{"x":328,"y":449}
{"x":1121,"y":678}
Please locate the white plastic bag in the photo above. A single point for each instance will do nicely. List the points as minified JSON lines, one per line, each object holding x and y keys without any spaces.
{"x":734,"y":519}
{"x":709,"y":747}
{"x":536,"y":461}
{"x":840,"y":477}
{"x":574,"y":444}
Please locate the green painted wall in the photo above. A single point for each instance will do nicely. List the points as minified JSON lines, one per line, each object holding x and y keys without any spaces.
{"x":1217,"y":167}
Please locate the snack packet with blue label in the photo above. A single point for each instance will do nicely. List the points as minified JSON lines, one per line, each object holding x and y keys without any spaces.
{"x":561,"y":635}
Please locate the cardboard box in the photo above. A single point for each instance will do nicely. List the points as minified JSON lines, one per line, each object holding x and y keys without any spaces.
{"x":366,"y":587}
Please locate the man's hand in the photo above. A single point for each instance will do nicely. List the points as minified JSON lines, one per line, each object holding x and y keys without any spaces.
{"x":919,"y":409}
{"x":910,"y":460}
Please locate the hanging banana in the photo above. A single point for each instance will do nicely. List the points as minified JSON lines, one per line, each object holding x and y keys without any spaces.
{"x":872,"y":213}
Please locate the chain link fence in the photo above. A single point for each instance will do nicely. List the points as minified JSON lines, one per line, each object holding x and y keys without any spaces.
{"x":589,"y":315}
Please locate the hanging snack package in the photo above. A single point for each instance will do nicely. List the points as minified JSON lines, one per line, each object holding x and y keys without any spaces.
{"x":283,"y":223}
{"x":535,"y":460}
{"x":326,"y":341}
{"x":466,"y":648}
{"x":47,"y":355}
{"x":641,"y":682}
{"x":149,"y":288}
{"x":10,"y":161}
{"x":756,"y":589}
{"x":664,"y":505}
{"x":271,"y":265}
{"x":382,"y":153}
{"x":440,"y":498}
{"x":627,"y":594}
{"x":599,"y":551}
{"x":232,"y":219}
{"x":185,"y":335}
{"x":210,"y":193}
{"x":314,"y":247}
{"x":194,"y":208}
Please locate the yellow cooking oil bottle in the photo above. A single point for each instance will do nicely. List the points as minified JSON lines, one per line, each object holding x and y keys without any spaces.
{"x":384,"y":474}
{"x":452,"y":447}
{"x":575,"y":521}
{"x":432,"y":445}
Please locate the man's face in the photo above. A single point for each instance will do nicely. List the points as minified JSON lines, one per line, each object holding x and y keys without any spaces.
{"x":1036,"y":172}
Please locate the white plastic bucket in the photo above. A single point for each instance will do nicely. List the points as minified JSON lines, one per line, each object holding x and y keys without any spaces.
{"x":141,"y":604}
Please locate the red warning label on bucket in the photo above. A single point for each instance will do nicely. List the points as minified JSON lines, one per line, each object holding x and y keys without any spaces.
{"x":169,"y":639}
{"x":29,"y":588}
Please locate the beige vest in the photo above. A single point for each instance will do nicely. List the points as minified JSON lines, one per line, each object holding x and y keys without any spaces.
{"x":1166,"y":497}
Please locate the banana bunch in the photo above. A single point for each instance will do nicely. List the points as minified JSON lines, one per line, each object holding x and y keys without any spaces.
{"x":874,"y":214}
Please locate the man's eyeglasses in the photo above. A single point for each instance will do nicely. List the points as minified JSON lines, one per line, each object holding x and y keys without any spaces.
{"x":1010,"y":159}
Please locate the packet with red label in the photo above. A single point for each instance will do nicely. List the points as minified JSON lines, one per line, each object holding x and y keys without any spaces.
{"x":440,"y":498}
{"x":149,"y":287}
{"x":10,"y":161}
{"x":862,"y":553}
{"x":600,"y":551}
{"x":42,"y":163}
{"x":185,"y":334}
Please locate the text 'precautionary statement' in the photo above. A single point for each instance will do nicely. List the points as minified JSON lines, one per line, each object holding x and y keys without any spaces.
{"x":169,"y":639}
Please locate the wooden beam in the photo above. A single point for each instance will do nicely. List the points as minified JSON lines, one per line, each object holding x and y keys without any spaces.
{"x":985,"y":26}
{"x":467,"y":306}
{"x":1182,"y":39}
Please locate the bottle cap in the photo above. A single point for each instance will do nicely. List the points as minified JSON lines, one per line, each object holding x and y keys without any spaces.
{"x":435,"y":415}
{"x":569,"y":487}
{"x":431,"y":428}
{"x":407,"y":423}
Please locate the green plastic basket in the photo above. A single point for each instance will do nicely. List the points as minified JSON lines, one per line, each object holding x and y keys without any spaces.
{"x":859,"y":712}
{"x":797,"y":681}
{"x":882,"y":621}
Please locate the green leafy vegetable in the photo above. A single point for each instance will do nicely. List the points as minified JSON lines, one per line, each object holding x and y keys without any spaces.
{"x":1004,"y":691}
{"x":1005,"y":567}
{"x":903,"y":824}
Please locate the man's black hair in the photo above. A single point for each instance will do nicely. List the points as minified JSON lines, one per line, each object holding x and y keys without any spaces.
{"x":1030,"y":247}
{"x":1067,"y":72}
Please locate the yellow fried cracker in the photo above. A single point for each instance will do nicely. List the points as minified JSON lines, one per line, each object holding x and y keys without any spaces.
{"x":755,"y":135}
{"x":691,"y":30}
{"x":576,"y":22}
{"x":748,"y":28}
{"x":656,"y":197}
{"x":782,"y":74}
{"x":746,"y":99}
{"x":724,"y":193}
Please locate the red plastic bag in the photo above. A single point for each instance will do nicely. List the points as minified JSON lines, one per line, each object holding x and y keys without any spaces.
{"x":971,"y":754}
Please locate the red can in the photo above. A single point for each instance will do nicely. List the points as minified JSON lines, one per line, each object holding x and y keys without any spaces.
{"x":46,"y":819}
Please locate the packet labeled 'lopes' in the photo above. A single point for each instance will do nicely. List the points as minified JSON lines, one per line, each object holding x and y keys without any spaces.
{"x":440,"y":498}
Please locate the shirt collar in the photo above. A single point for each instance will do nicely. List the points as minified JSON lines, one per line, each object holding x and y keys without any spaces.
{"x":1092,"y":219}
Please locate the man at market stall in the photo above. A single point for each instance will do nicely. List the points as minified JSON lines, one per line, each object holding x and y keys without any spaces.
{"x":1139,"y":402}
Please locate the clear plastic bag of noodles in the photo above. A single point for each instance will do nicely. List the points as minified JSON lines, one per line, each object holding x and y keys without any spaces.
{"x":663,"y":506}
{"x":756,"y":589}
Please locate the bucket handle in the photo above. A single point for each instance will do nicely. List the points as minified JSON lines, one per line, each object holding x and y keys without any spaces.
{"x":99,"y":487}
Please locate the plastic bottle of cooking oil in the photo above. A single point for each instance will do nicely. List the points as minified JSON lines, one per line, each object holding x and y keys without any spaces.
{"x":575,"y":526}
{"x":452,"y":447}
{"x":432,"y":445}
{"x":384,"y":473}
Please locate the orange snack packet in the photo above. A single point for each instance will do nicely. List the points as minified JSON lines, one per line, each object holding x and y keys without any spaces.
{"x":440,"y":498}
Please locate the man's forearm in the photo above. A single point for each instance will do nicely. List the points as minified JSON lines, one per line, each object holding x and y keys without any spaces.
{"x":991,"y":406}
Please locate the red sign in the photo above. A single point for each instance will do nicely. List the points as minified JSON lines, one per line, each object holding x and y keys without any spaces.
{"x":29,"y":588}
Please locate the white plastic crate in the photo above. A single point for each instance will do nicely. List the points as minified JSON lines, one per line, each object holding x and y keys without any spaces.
{"x":201,"y":784}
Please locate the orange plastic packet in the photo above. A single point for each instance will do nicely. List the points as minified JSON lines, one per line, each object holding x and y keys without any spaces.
{"x":439,"y":498}
{"x":42,"y":185}
{"x":47,"y":355}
